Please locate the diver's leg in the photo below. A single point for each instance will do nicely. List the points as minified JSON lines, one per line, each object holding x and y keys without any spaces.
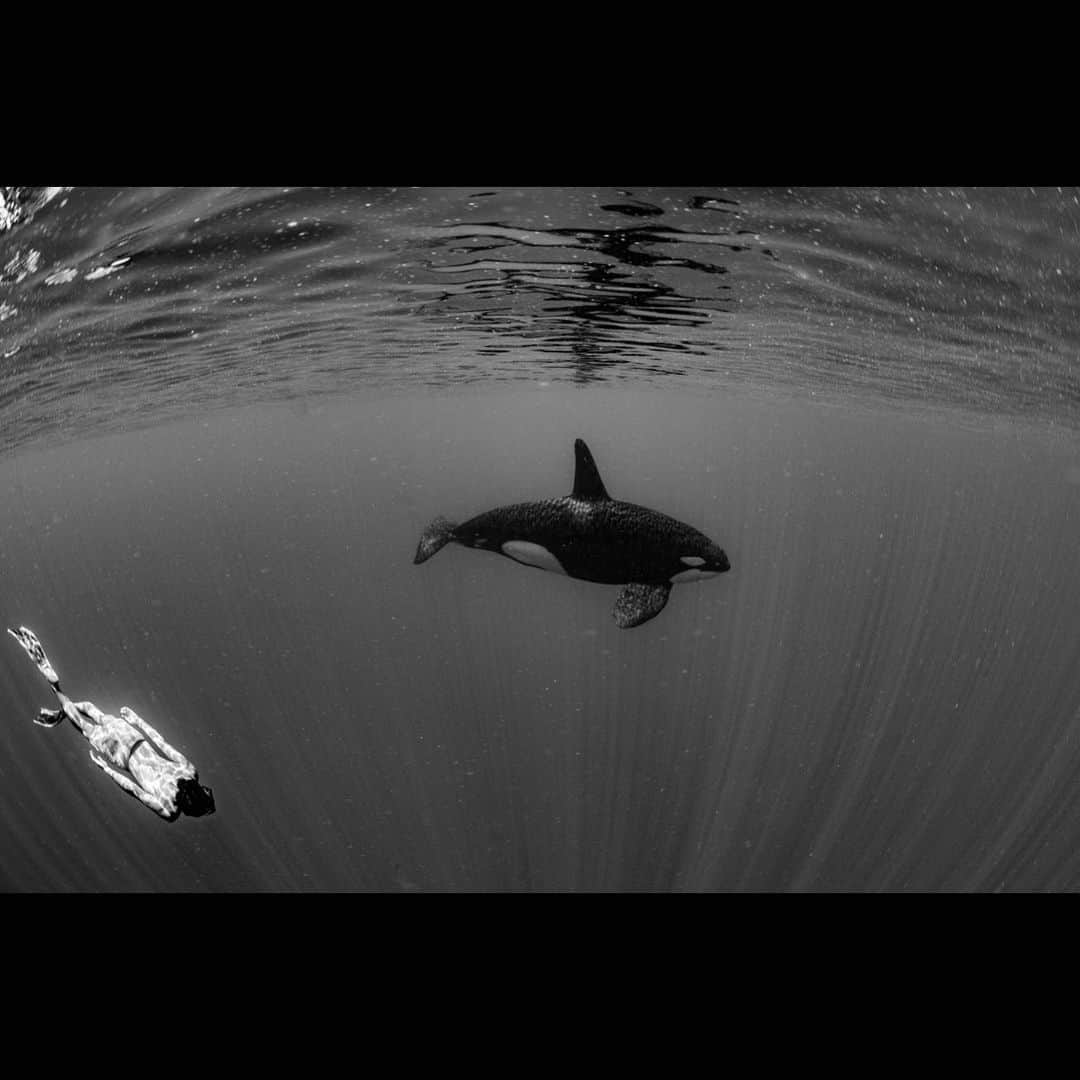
{"x":90,"y":710}
{"x":85,"y":715}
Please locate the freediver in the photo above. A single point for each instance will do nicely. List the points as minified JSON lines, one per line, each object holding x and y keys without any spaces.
{"x":125,"y":747}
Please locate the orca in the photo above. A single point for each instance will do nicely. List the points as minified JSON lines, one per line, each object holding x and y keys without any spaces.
{"x":590,"y":536}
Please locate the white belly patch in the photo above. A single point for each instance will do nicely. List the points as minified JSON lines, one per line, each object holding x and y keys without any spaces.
{"x":692,"y":575}
{"x":532,"y":555}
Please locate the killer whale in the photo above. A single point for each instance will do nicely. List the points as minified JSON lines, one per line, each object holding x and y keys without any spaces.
{"x":590,"y":536}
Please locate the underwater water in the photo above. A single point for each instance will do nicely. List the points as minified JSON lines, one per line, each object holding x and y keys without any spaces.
{"x":227,"y":415}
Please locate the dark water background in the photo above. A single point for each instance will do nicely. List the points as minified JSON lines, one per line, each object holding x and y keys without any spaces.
{"x":226,"y":416}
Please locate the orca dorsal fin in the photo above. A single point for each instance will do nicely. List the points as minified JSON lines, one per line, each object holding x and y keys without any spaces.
{"x":587,"y":482}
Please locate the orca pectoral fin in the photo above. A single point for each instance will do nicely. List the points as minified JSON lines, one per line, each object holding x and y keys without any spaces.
{"x":639,"y":603}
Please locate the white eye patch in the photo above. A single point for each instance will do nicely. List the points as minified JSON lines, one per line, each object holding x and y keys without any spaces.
{"x":692,"y":560}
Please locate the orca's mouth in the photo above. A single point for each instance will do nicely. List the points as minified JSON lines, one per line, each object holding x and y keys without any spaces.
{"x":722,"y":564}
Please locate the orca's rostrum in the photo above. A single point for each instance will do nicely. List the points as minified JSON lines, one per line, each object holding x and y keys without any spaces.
{"x":591,"y":536}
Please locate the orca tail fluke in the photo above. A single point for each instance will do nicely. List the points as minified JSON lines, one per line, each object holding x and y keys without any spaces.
{"x":435,"y":537}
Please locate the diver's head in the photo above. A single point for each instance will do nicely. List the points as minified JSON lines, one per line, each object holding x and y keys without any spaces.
{"x":193,"y":798}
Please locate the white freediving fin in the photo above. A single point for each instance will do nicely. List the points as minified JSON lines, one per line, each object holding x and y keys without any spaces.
{"x":28,"y":640}
{"x":638,"y":603}
{"x":49,"y":717}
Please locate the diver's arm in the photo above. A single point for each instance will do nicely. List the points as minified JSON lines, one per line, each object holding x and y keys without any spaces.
{"x":171,"y":753}
{"x":157,"y":804}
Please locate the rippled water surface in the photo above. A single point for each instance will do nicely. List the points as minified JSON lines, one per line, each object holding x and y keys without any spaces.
{"x":226,"y":415}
